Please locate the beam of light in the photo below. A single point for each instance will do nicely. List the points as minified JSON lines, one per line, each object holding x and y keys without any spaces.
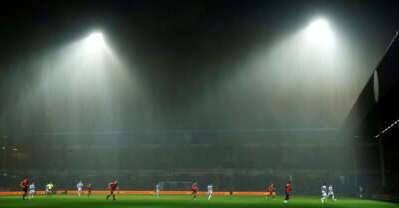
{"x":314,"y":73}
{"x":319,"y":33}
{"x":82,"y":81}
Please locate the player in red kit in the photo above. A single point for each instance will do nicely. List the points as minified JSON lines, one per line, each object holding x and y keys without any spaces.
{"x":113,"y":186}
{"x":272,"y":190}
{"x":288,"y":190}
{"x":24,"y":185}
{"x":88,"y":190}
{"x":194,"y":188}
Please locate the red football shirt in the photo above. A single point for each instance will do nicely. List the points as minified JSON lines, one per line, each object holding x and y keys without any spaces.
{"x":113,"y":186}
{"x":288,"y":188}
{"x":194,"y":187}
{"x":271,"y":188}
{"x":25,"y":183}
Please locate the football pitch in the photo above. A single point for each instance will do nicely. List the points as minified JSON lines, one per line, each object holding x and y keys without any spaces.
{"x":180,"y":201}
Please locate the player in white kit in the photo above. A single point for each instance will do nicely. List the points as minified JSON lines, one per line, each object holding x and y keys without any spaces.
{"x":323,"y":193}
{"x":79,"y":187}
{"x":210,"y":191}
{"x":157,"y":190}
{"x":331,"y":192}
{"x":32,"y":190}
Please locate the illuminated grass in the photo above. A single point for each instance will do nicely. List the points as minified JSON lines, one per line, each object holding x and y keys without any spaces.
{"x":141,"y":201}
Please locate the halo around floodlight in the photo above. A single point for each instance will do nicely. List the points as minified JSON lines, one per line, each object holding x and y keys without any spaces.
{"x":319,"y":32}
{"x":95,"y":41}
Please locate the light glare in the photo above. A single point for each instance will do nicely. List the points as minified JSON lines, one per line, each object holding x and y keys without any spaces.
{"x":319,"y":33}
{"x":95,"y":41}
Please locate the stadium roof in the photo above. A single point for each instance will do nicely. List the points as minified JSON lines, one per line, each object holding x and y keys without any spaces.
{"x":375,"y":113}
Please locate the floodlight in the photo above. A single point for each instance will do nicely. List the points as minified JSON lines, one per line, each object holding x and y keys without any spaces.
{"x":95,"y":41}
{"x":319,"y":33}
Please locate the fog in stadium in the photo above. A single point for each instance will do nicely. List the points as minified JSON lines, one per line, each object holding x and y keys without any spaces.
{"x":237,"y":95}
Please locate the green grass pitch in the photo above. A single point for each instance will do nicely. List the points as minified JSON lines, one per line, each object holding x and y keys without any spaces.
{"x":146,"y":201}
